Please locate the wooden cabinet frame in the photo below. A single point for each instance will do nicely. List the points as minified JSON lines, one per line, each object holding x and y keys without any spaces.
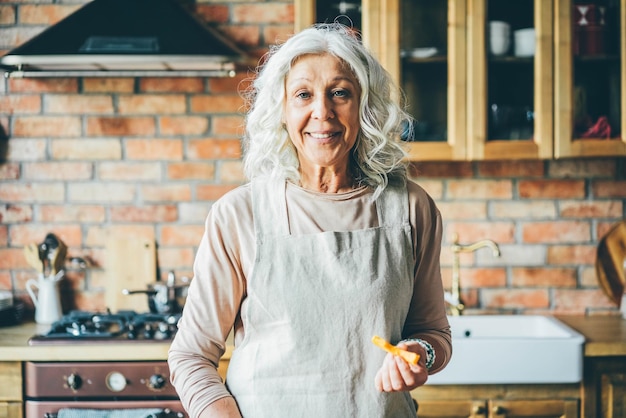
{"x":563,"y":100}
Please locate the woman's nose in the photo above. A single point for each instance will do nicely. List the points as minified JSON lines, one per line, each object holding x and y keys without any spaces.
{"x":322,"y":108}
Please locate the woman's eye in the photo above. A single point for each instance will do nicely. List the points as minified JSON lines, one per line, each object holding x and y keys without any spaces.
{"x":340,"y":93}
{"x":303,"y":95}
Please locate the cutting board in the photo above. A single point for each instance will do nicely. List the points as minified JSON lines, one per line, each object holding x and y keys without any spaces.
{"x":131,"y":264}
{"x":610,"y":258}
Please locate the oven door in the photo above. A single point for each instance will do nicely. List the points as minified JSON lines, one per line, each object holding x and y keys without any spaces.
{"x":50,"y":409}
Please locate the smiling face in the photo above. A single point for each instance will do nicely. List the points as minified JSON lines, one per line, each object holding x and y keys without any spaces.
{"x":322,"y":112}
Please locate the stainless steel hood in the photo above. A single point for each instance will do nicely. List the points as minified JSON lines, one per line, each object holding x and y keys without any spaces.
{"x":108,"y":38}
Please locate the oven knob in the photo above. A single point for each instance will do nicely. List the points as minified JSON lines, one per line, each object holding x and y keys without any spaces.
{"x":156,"y":381}
{"x":74,"y":381}
{"x":116,"y":381}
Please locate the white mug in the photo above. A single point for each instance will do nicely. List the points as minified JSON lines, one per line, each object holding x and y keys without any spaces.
{"x":525,"y":42}
{"x":499,"y":37}
{"x":47,"y":301}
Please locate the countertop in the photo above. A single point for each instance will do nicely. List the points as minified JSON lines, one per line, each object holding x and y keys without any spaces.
{"x":605,"y":336}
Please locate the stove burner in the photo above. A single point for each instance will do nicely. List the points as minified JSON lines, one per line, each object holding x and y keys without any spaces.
{"x":103,"y":326}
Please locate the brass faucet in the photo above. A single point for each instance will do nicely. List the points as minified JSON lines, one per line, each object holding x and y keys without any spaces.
{"x":453,"y":298}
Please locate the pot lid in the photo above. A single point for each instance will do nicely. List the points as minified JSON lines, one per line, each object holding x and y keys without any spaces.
{"x":107,"y":37}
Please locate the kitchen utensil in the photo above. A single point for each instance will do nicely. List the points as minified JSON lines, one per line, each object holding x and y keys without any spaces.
{"x":524,"y":42}
{"x":47,"y":299}
{"x":31,"y":253}
{"x":499,"y":37}
{"x":55,"y":253}
{"x":610,"y":259}
{"x":164,"y":298}
{"x":408,"y":356}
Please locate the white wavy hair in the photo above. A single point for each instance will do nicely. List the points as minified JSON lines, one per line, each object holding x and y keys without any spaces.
{"x":378,"y":155}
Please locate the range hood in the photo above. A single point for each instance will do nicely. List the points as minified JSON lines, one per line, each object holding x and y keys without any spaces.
{"x":108,"y":38}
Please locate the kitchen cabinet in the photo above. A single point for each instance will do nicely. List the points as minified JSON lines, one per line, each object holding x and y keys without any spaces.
{"x":590,"y":74}
{"x":11,"y":389}
{"x":604,"y":388}
{"x":497,"y":401}
{"x":470,"y":104}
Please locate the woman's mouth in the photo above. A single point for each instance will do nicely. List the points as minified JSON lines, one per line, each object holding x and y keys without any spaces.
{"x":322,"y":136}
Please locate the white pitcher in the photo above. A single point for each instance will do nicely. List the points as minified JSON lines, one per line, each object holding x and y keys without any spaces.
{"x":47,"y":301}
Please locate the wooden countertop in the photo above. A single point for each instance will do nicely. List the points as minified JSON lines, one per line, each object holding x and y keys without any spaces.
{"x":605,"y":336}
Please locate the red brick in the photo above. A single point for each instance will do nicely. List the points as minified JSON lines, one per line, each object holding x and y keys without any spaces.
{"x":129,"y":171}
{"x":179,"y":235}
{"x":108,"y":85}
{"x":100,"y":192}
{"x":515,"y":298}
{"x":480,"y":189}
{"x":522,"y":168}
{"x":213,"y":13}
{"x":152,"y":103}
{"x":609,"y":189}
{"x":543,"y":277}
{"x":86,"y":149}
{"x":72,"y":213}
{"x":275,"y":34}
{"x":482,"y":277}
{"x":78,"y":104}
{"x":452,"y":211}
{"x":152,"y":213}
{"x":10,"y":213}
{"x":154,"y":149}
{"x":217,"y":104}
{"x":183,"y":125}
{"x":571,"y":255}
{"x":228,"y":125}
{"x":245,"y":36}
{"x":48,"y":126}
{"x":213,"y":191}
{"x":442,"y":169}
{"x":43,"y":85}
{"x":229,"y":85}
{"x":210,"y":149}
{"x":16,"y":105}
{"x":583,"y":167}
{"x":468,"y":232}
{"x":27,"y":149}
{"x":7,"y":15}
{"x":17,"y":35}
{"x":44,"y":14}
{"x":9,"y":171}
{"x":172,"y":85}
{"x":23,"y":234}
{"x":166,"y":193}
{"x":175,"y":258}
{"x":32,"y":192}
{"x":590,"y":209}
{"x":555,"y":189}
{"x":57,"y":171}
{"x":556,"y":232}
{"x":231,"y":172}
{"x":120,"y":126}
{"x":190,"y":171}
{"x":12,"y":258}
{"x":515,"y":209}
{"x":577,"y":301}
{"x":263,"y":13}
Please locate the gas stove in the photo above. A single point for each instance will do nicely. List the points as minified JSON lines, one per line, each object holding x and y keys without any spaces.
{"x":102,"y":327}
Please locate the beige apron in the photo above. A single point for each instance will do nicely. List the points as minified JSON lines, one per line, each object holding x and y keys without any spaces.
{"x":314,"y":301}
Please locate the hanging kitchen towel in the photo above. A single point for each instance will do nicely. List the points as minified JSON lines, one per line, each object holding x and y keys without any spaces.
{"x":110,"y":413}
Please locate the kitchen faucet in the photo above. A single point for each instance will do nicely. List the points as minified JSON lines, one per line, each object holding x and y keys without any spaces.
{"x":453,"y":298}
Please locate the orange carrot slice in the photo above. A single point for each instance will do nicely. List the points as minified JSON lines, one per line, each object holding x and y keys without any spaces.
{"x":407,"y":356}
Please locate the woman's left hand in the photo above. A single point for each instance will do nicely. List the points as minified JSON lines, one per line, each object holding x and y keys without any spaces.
{"x":396,"y":375}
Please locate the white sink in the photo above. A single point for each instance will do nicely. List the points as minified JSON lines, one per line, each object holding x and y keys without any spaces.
{"x":522,"y":349}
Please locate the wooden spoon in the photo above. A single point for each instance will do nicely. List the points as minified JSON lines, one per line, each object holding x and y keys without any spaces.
{"x":31,"y":253}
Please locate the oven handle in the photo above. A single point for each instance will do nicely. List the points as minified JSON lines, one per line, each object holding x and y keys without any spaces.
{"x":167,"y":413}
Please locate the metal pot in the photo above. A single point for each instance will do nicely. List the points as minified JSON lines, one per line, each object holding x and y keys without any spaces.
{"x":165,"y":298}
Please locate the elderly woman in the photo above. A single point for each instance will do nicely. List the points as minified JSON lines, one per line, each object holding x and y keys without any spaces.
{"x":328,"y":245}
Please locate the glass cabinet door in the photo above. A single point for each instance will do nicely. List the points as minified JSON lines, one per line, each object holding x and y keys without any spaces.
{"x":428,"y":60}
{"x":348,"y":12}
{"x":510,"y":87}
{"x":590,"y":72}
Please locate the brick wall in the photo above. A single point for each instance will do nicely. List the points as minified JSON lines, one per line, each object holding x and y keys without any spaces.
{"x":149,"y":156}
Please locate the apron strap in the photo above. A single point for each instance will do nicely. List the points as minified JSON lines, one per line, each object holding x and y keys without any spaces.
{"x":269,"y":207}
